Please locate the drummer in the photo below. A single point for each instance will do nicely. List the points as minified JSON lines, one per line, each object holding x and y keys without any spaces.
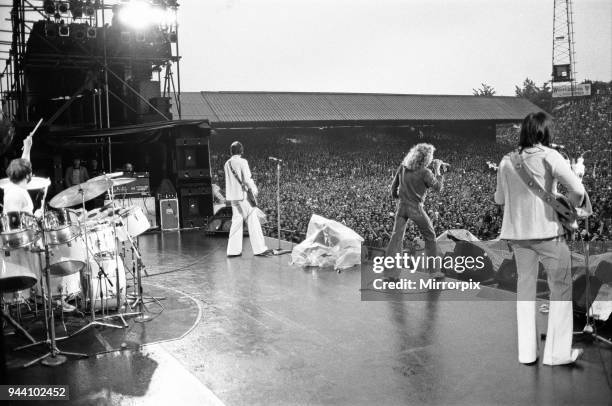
{"x":19,"y":171}
{"x":17,"y":198}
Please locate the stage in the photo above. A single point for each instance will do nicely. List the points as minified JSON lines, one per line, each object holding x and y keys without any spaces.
{"x":257,"y":331}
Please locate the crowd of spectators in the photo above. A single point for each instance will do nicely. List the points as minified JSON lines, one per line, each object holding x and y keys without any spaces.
{"x":346,"y":177}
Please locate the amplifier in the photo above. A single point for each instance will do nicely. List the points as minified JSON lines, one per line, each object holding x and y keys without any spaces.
{"x":169,"y":214}
{"x":140,"y":187}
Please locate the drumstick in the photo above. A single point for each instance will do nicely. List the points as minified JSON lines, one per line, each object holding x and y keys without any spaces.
{"x":34,"y":130}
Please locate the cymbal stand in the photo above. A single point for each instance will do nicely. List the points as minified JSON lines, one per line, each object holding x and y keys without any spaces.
{"x":138,"y":301}
{"x":55,"y":356}
{"x":94,"y":321}
{"x":111,"y":196}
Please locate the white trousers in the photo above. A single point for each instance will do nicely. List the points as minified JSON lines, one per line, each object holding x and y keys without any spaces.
{"x":242,"y":210}
{"x":555,"y":257}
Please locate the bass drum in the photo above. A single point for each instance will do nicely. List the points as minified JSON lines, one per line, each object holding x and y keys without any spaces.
{"x":109,"y":293}
{"x":63,"y":286}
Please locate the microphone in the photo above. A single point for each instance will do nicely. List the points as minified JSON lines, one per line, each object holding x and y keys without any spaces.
{"x":557,"y":146}
{"x":275,"y":159}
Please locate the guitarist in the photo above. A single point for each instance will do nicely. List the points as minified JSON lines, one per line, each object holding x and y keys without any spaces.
{"x":533,"y":228}
{"x":238,"y":184}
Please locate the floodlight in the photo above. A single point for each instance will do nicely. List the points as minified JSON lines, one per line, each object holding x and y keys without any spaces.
{"x":63,"y":7}
{"x":139,"y":15}
{"x":64,"y":30}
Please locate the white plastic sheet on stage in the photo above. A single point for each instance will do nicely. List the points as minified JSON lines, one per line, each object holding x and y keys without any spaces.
{"x":328,"y":243}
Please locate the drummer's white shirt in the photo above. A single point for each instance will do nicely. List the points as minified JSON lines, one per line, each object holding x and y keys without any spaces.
{"x":17,"y":198}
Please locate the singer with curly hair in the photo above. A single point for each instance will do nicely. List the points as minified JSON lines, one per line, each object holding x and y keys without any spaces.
{"x":410,"y":184}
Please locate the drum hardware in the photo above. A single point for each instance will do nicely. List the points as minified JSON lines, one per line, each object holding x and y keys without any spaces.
{"x":114,"y":223}
{"x":55,"y":356}
{"x":88,"y":192}
{"x":138,"y":296}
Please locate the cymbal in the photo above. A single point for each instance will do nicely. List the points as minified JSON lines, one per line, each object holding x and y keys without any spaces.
{"x":75,"y":194}
{"x":106,"y":176}
{"x":35,"y":183}
{"x":122,"y":181}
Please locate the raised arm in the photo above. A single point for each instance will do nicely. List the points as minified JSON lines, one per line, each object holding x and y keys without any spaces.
{"x":27,"y":147}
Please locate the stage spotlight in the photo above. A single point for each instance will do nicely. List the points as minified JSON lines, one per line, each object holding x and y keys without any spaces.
{"x":140,"y":15}
{"x":64,"y":30}
{"x":91,"y":32}
{"x":63,"y":7}
{"x":49,"y":6}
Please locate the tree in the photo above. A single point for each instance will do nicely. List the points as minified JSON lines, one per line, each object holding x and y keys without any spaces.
{"x":540,"y":96}
{"x":485,"y":90}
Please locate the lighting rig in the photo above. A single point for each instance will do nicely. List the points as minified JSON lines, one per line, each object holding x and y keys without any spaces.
{"x":90,"y":63}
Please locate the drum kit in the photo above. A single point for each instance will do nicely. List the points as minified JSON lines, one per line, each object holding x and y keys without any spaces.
{"x":66,"y":252}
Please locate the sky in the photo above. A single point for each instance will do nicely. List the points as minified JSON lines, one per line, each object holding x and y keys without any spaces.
{"x":387,"y":46}
{"x":381,"y":46}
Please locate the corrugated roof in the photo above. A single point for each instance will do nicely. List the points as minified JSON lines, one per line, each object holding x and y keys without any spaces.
{"x":275,"y":108}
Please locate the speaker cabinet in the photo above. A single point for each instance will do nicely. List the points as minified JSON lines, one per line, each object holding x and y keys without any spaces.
{"x":169,"y":214}
{"x":192,"y":158}
{"x":196,"y":204}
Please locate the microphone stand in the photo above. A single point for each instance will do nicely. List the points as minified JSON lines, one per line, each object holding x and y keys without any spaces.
{"x":278,"y":251}
{"x":589,"y":330}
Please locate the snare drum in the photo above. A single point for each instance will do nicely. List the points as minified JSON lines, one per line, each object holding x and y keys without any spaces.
{"x":60,"y":226}
{"x":17,"y":229}
{"x":134,"y":221}
{"x":100,"y":239}
{"x":109,"y":293}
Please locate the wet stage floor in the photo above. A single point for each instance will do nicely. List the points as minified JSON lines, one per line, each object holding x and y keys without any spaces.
{"x":275,"y":334}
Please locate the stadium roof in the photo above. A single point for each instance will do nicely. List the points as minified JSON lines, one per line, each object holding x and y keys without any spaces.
{"x":265,"y":109}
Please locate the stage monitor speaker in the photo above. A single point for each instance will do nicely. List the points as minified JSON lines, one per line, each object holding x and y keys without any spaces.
{"x":196,"y":204}
{"x":169,"y":214}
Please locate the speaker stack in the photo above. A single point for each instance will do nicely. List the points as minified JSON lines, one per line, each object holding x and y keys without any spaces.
{"x":193,"y":180}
